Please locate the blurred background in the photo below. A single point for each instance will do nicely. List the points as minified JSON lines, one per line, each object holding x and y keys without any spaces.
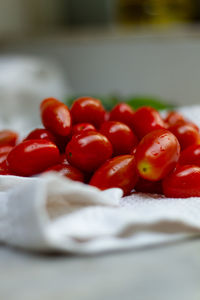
{"x":124,"y":49}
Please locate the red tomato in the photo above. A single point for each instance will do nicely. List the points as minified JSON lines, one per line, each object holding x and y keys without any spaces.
{"x":55,"y":116}
{"x":8,"y":137}
{"x":78,"y":128}
{"x":133,"y":151}
{"x":157,"y":154}
{"x":146,"y":186}
{"x":186,"y":134}
{"x":145,"y":120}
{"x":120,"y":135}
{"x":63,"y":160}
{"x":122,"y":112}
{"x":4,"y":168}
{"x":173,"y":118}
{"x":62,"y":141}
{"x":88,"y":109}
{"x":32,"y":157}
{"x":184,"y":182}
{"x":67,"y":171}
{"x":190,"y":156}
{"x":40,"y":133}
{"x":88,"y":150}
{"x":4,"y":150}
{"x":107,"y":116}
{"x":118,"y":172}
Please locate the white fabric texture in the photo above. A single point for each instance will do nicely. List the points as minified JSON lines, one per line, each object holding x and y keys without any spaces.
{"x":52,"y":213}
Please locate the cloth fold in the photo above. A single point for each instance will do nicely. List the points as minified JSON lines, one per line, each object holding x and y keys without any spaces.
{"x":53,"y":213}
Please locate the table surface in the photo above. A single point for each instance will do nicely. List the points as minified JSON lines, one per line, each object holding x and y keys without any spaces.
{"x":157,"y":273}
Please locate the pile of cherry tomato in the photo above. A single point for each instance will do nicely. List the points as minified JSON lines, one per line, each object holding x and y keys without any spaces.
{"x":137,"y":151}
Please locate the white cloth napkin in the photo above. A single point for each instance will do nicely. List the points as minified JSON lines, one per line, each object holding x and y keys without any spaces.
{"x":52,"y":213}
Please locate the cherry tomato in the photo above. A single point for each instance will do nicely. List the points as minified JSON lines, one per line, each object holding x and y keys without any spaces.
{"x":78,"y":128}
{"x":88,"y":109}
{"x":4,"y":169}
{"x":175,"y":118}
{"x":146,"y":186}
{"x":190,"y":156}
{"x":67,"y":171}
{"x":133,"y":150}
{"x":63,"y":159}
{"x":32,"y":157}
{"x":4,"y":150}
{"x":8,"y":137}
{"x":145,"y":120}
{"x":120,"y":135}
{"x":88,"y":150}
{"x":186,"y":134}
{"x":55,"y":116}
{"x":157,"y":154}
{"x":40,"y":133}
{"x":184,"y":182}
{"x":119,"y":172}
{"x":122,"y":112}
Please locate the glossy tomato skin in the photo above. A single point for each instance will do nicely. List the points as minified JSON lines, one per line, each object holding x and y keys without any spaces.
{"x":88,"y":110}
{"x":8,"y":137}
{"x":157,"y":154}
{"x":184,"y":182}
{"x":120,"y":135}
{"x":32,"y":157}
{"x":4,"y":150}
{"x":173,"y":117}
{"x":118,"y":172}
{"x":40,"y":133}
{"x":145,"y":120}
{"x":122,"y":112}
{"x":63,"y":159}
{"x":146,"y":186}
{"x":88,"y":150}
{"x":190,"y":156}
{"x":56,"y":116}
{"x":186,"y":134}
{"x":67,"y":171}
{"x":80,"y":127}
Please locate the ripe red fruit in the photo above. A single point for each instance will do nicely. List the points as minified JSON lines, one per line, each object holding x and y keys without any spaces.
{"x":186,"y":134}
{"x":63,"y":160}
{"x":40,"y":133}
{"x":4,"y":169}
{"x":67,"y":171}
{"x":80,"y":127}
{"x":55,"y":116}
{"x":122,"y":112}
{"x":145,"y":120}
{"x":173,"y":117}
{"x":184,"y":182}
{"x":146,"y":186}
{"x":8,"y":137}
{"x":88,"y":109}
{"x":32,"y":157}
{"x":118,"y":172}
{"x":190,"y":156}
{"x":88,"y":150}
{"x":4,"y":150}
{"x":157,"y":154}
{"x":120,"y":135}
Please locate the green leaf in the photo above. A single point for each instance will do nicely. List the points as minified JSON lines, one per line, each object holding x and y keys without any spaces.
{"x":136,"y":102}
